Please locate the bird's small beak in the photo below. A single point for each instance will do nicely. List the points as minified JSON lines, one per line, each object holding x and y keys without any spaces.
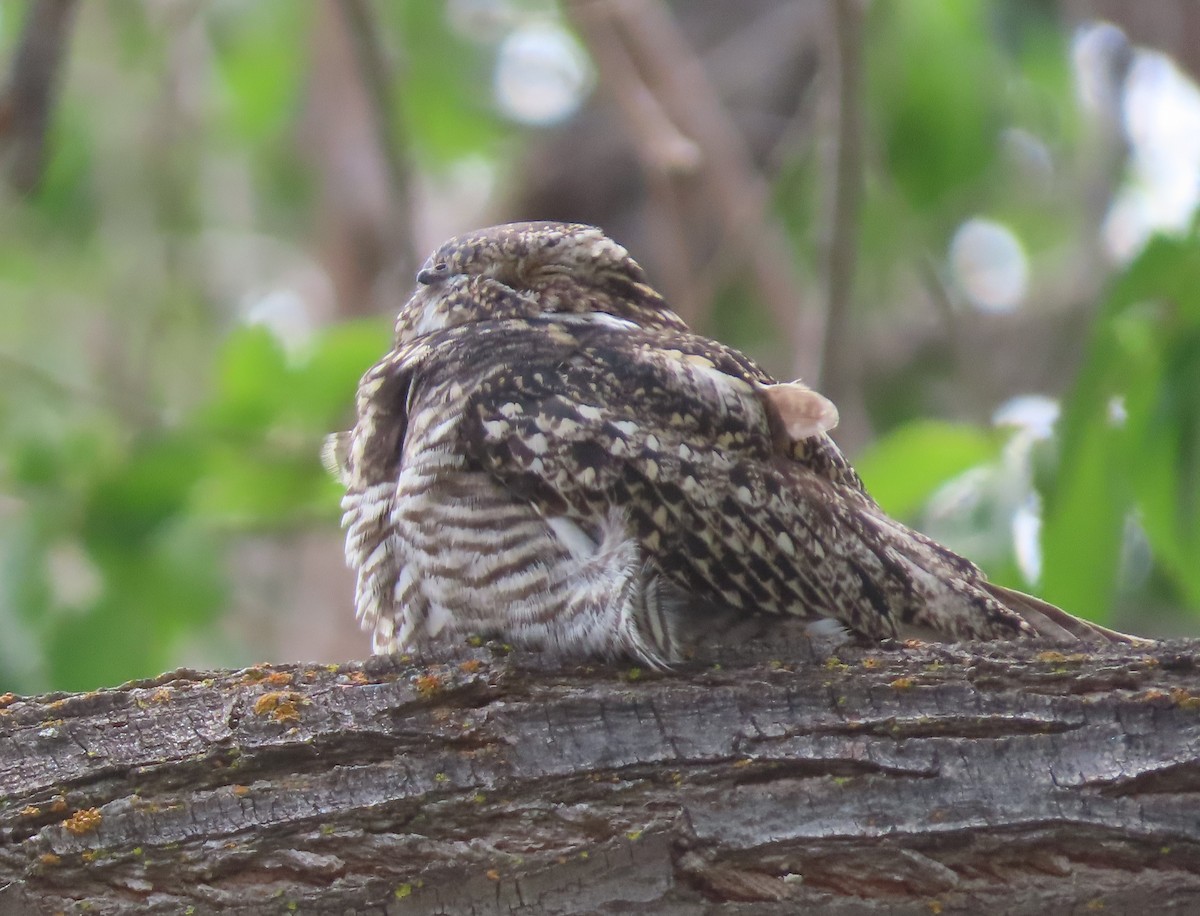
{"x":431,"y":272}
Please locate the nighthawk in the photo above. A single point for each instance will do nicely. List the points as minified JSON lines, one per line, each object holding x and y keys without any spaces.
{"x":549,"y":455}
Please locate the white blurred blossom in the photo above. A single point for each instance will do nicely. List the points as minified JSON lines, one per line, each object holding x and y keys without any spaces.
{"x":542,"y":74}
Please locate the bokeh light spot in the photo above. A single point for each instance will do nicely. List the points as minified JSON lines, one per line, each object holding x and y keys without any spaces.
{"x":989,"y":265}
{"x":542,"y":74}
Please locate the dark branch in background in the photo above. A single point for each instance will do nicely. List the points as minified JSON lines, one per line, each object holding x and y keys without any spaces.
{"x":669,"y":70}
{"x":349,"y":136}
{"x":667,"y":158}
{"x":838,"y":374}
{"x":377,"y":79}
{"x":28,"y":102}
{"x":957,"y":779}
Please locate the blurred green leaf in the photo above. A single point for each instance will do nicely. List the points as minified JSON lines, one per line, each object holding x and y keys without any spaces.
{"x":904,"y":468}
{"x":151,"y":598}
{"x":326,"y":378}
{"x":258,"y":67}
{"x":252,"y":489}
{"x":1131,"y":434}
{"x":64,"y":197}
{"x":934,"y":79}
{"x":444,"y":89}
{"x":128,"y":505}
{"x":253,"y":383}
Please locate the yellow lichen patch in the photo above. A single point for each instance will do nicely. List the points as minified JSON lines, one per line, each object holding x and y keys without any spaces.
{"x":833,"y":664}
{"x":492,"y":874}
{"x":49,"y":858}
{"x":30,"y":811}
{"x":282,"y":706}
{"x":240,"y":790}
{"x":279,"y":678}
{"x":59,"y":805}
{"x":871,"y":663}
{"x":470,"y":666}
{"x":634,"y":835}
{"x":428,"y":684}
{"x":85,"y":820}
{"x":7,"y":699}
{"x":1183,"y":699}
{"x":161,"y":695}
{"x":935,"y":907}
{"x":403,"y":891}
{"x":901,"y":683}
{"x":1058,"y":658}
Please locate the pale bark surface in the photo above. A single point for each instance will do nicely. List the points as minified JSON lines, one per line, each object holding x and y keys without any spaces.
{"x":986,"y":778}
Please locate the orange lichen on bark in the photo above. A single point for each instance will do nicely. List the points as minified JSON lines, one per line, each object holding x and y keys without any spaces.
{"x":1183,"y":699}
{"x":85,"y":820}
{"x":282,"y":706}
{"x":429,"y":684}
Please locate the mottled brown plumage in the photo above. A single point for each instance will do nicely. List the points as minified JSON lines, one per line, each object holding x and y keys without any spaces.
{"x":550,"y":455}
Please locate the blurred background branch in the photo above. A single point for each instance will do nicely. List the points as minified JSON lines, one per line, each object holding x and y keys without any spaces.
{"x":27,"y":103}
{"x":713,"y":155}
{"x":973,"y":222}
{"x":838,"y":351}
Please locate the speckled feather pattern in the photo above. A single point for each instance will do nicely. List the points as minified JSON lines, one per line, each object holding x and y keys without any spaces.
{"x":549,"y":455}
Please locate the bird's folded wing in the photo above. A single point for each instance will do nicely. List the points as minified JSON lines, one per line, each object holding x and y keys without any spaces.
{"x":577,"y":419}
{"x":682,"y":450}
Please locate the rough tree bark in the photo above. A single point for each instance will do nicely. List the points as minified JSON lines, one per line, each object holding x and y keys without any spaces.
{"x":916,"y":779}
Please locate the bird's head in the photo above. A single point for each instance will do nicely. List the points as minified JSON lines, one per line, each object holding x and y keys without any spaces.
{"x":527,"y":255}
{"x":541,"y":268}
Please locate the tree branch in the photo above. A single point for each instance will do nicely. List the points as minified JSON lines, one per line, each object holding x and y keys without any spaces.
{"x":671,"y":71}
{"x":838,"y":357}
{"x":931,"y":779}
{"x":377,"y":82}
{"x":27,"y":104}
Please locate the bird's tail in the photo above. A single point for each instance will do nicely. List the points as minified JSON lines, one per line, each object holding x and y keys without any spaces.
{"x":1053,"y":623}
{"x":953,"y":599}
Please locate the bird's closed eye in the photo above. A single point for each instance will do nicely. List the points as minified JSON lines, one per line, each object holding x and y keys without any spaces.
{"x":432,"y":273}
